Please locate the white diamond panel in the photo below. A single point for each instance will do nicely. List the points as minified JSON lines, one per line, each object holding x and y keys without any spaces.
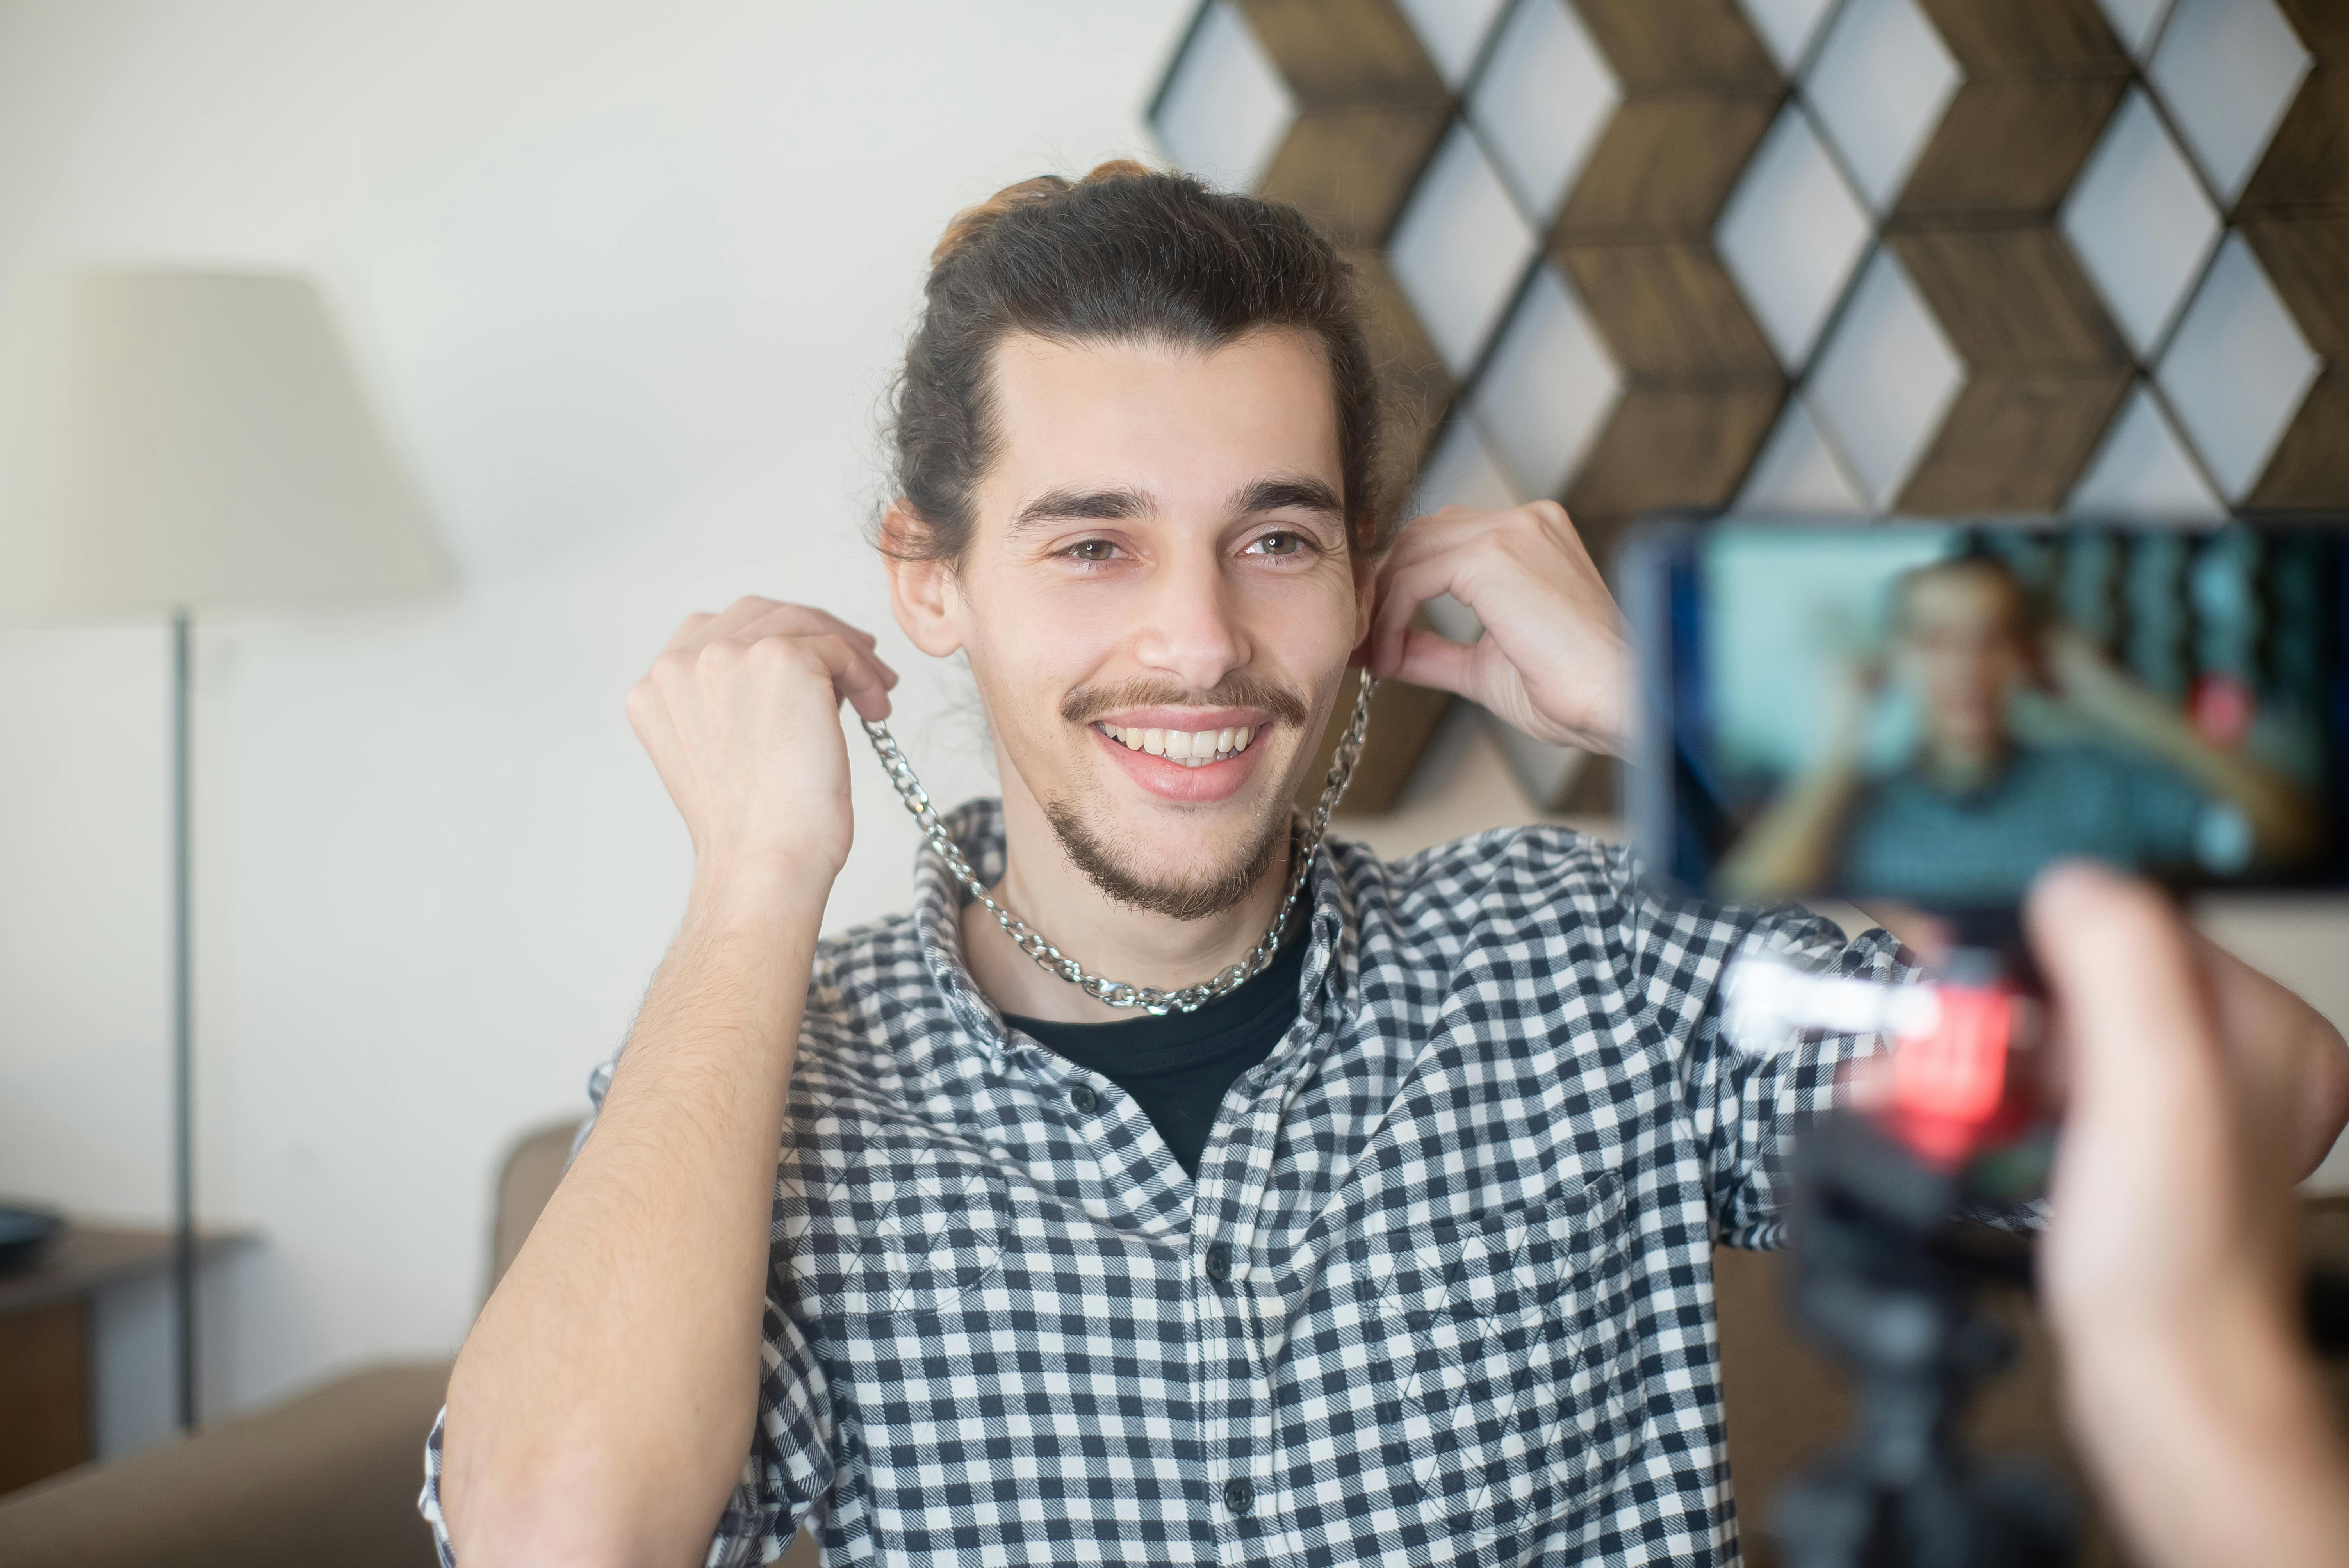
{"x":2236,"y":370}
{"x":1881,"y":83}
{"x":2227,"y":70}
{"x":2141,"y":223}
{"x":1791,"y":234}
{"x":1799,"y":472}
{"x":1459,"y":251}
{"x":1884,"y":381}
{"x":1542,"y":101}
{"x":1548,"y":387}
{"x":2143,"y":471}
{"x":1225,"y":108}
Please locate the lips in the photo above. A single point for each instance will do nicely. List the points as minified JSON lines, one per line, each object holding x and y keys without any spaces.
{"x":1189,"y":748}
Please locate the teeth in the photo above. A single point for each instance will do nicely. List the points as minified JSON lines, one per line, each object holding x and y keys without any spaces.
{"x":1191,"y":748}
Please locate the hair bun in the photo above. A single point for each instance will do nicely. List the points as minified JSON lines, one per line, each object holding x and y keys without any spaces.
{"x":972,"y":223}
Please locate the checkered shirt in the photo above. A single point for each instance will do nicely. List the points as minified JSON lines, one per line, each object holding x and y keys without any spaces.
{"x":1441,"y":1292}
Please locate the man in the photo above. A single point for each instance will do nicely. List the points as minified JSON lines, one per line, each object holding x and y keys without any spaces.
{"x":1396,"y":1244}
{"x":1976,"y":811}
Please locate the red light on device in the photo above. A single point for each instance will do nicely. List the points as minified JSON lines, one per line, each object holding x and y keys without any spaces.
{"x":1952,"y":1093}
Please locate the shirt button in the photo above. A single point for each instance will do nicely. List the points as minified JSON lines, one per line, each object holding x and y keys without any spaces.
{"x":1083,"y":1097}
{"x":1238,"y":1495}
{"x":1219,"y":1268}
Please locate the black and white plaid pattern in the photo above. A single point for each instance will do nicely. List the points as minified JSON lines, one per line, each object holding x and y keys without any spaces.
{"x":1442,"y":1291}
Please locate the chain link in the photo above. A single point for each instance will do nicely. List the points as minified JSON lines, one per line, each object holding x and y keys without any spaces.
{"x":1050,"y":959}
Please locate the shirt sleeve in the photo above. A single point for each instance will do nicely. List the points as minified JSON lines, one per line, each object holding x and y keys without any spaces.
{"x":789,"y":1471}
{"x":1744,"y":1105}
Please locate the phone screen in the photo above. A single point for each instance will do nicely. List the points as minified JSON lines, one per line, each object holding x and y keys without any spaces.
{"x":1933,"y":714}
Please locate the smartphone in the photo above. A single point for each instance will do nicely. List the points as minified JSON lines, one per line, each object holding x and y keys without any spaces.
{"x":1930,"y":714}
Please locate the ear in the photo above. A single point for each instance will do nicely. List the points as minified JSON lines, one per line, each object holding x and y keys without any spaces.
{"x":922,"y":592}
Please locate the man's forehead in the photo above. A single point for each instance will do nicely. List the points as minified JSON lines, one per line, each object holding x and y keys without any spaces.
{"x":1180,"y":426}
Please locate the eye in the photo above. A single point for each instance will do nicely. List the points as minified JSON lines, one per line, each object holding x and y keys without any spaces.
{"x":1282,"y":542}
{"x":1093,"y":551}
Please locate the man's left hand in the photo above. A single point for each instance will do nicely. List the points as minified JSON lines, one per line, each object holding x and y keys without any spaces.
{"x":1553,"y":660}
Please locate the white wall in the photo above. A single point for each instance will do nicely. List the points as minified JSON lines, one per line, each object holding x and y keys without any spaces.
{"x":628,"y":280}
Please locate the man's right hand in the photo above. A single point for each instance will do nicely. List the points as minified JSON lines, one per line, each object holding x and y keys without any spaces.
{"x":741,"y":715}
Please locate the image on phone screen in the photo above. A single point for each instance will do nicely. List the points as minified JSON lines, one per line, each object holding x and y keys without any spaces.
{"x":1932,"y":713}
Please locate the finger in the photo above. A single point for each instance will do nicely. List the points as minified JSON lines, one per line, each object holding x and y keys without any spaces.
{"x":1406,"y":591}
{"x":744,"y":611}
{"x":2121,"y":967}
{"x":807,"y":621}
{"x":1432,"y":659}
{"x":690,"y":632}
{"x":854,"y":675}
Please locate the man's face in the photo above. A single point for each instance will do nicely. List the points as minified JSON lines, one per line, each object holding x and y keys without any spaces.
{"x":1158,"y":602}
{"x":1961,"y":650}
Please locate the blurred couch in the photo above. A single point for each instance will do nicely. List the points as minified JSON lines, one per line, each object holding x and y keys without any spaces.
{"x":329,"y":1479}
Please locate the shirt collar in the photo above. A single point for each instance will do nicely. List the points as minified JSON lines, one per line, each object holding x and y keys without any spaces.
{"x":977,"y":827}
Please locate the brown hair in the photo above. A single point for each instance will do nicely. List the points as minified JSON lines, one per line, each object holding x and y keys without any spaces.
{"x":1125,"y":255}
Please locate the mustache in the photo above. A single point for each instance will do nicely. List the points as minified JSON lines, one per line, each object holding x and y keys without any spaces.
{"x":1085,"y":703}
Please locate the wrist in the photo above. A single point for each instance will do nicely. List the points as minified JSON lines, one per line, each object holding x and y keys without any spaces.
{"x":733,"y":888}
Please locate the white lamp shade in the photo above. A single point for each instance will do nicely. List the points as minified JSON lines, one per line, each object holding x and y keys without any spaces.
{"x":172,"y":438}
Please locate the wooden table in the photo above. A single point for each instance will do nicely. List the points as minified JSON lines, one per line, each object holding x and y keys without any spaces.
{"x":47,"y":1381}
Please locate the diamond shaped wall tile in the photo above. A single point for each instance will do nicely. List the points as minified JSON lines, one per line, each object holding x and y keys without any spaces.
{"x":1798,"y":471}
{"x":2227,"y":70}
{"x":2237,"y":370}
{"x":1224,"y":109}
{"x":2141,"y":223}
{"x":1884,"y":381}
{"x":2307,"y":261}
{"x":1460,"y":250}
{"x":1787,"y":27}
{"x":1454,"y":32}
{"x":1547,"y":388}
{"x":1542,"y":101}
{"x":1879,"y":84}
{"x":2143,"y":470}
{"x":1792,"y":234}
{"x":1975,"y":225}
{"x":1635,"y":242}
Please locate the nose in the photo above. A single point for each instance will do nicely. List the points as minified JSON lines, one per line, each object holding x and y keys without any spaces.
{"x":1186,"y":622}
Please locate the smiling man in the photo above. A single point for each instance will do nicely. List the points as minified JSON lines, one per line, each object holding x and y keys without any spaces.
{"x":1391,"y":1237}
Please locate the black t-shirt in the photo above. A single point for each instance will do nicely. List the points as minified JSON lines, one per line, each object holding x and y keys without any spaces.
{"x":1177,"y":1067}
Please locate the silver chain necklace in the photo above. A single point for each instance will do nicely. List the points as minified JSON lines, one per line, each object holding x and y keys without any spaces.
{"x":1052,"y":960}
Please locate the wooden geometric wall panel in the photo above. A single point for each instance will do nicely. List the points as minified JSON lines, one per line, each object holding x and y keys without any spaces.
{"x":1700,"y":383}
{"x":1951,"y":257}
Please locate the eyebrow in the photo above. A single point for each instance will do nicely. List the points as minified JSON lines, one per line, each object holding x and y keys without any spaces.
{"x":1296,"y":492}
{"x":1071,"y":504}
{"x":1117,"y":503}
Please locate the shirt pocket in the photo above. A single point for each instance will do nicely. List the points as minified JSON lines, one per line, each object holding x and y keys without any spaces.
{"x":921,"y":1240}
{"x":1509,"y":1336}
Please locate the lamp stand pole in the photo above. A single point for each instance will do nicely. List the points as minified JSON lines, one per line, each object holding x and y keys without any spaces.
{"x":183,"y":1162}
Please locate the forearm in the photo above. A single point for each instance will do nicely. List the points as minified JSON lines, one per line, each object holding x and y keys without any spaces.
{"x":1790,"y":849}
{"x":2231,"y":1411}
{"x":603,"y":1403}
{"x":2277,"y":814}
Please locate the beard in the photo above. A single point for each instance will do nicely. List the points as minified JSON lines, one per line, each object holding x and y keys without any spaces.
{"x":1087,"y":836}
{"x":1211,"y":893}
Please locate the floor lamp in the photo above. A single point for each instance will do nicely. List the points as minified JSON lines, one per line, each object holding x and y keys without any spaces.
{"x":177,"y":441}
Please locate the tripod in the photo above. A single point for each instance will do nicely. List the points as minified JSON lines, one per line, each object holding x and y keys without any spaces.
{"x":1889,"y":1285}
